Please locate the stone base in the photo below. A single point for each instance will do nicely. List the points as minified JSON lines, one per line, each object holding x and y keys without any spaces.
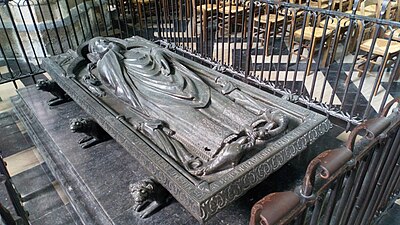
{"x":97,"y":179}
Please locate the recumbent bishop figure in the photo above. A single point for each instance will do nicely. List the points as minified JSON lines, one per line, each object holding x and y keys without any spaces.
{"x":206,"y":127}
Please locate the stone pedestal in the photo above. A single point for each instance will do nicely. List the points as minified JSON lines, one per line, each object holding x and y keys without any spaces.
{"x":97,"y":179}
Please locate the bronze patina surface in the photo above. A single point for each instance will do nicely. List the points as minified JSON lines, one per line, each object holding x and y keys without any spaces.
{"x":206,"y":137}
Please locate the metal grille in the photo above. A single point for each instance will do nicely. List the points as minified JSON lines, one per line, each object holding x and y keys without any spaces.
{"x":349,"y":185}
{"x":260,"y":42}
{"x":342,"y":64}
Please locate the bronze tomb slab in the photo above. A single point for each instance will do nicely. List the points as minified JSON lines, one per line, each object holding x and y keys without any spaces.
{"x":206,"y":137}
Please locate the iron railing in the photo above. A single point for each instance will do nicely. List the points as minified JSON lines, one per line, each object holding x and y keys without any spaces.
{"x":257,"y":41}
{"x":348,"y":185}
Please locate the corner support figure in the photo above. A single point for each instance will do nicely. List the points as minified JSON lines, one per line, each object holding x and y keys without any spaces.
{"x":94,"y":133}
{"x":149,"y":196}
{"x":55,"y":90}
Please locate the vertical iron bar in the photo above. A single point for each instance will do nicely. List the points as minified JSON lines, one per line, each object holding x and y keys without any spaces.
{"x":123,"y":12}
{"x":63,"y":24}
{"x":378,"y":77}
{"x":217,"y":31}
{"x":55,"y":25}
{"x":103,"y":15}
{"x":206,"y":32}
{"x":119,"y":19}
{"x":223,"y":31}
{"x":318,"y":61}
{"x":45,"y":27}
{"x":386,"y":173}
{"x":87,"y":17}
{"x":151,"y":21}
{"x":374,"y":184}
{"x":359,"y":41}
{"x":243,"y":35}
{"x":212,"y":33}
{"x":5,"y":59}
{"x":181,"y":19}
{"x":18,"y":38}
{"x":175,"y":21}
{"x":249,"y":39}
{"x":344,"y":198}
{"x":361,"y":195}
{"x":266,"y":43}
{"x":360,"y":173}
{"x":367,"y":64}
{"x":80,"y":20}
{"x":72,"y":23}
{"x":271,"y":65}
{"x":235,"y":32}
{"x":28,"y":35}
{"x":229,"y":30}
{"x":95,"y":18}
{"x":159,"y":23}
{"x":291,"y":40}
{"x":316,"y":211}
{"x":391,"y":80}
{"x":305,"y":15}
{"x":193,"y":16}
{"x":258,"y":36}
{"x":312,"y":42}
{"x":36,"y":29}
{"x":278,"y":69}
{"x":145,"y":20}
{"x":332,"y":201}
{"x":111,"y":18}
{"x":12,"y":49}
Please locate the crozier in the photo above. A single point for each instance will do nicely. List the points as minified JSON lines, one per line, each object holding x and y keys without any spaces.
{"x":205,"y":137}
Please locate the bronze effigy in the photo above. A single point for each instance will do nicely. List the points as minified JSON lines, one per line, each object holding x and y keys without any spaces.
{"x":205,"y":137}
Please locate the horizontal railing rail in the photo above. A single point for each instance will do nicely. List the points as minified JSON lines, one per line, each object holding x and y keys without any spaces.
{"x":349,"y":185}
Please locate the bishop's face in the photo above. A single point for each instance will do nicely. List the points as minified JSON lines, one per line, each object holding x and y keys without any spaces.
{"x":100,"y":45}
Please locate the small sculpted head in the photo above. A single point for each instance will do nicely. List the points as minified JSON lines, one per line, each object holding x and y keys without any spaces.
{"x":42,"y":85}
{"x":141,"y":191}
{"x":99,"y":45}
{"x":77,"y":124}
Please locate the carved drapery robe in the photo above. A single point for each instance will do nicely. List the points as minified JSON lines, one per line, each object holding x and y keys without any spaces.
{"x":164,"y":88}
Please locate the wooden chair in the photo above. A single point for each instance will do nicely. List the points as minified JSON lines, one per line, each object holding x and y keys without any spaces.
{"x":321,"y":4}
{"x":379,"y":52}
{"x":342,"y":5}
{"x":378,"y":49}
{"x":201,"y":14}
{"x":310,"y":41}
{"x":344,"y":25}
{"x":227,"y":12}
{"x":312,"y":37}
{"x":264,"y":25}
{"x":392,"y":11}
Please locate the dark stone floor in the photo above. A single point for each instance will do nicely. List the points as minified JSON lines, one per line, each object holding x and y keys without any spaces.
{"x":36,"y":184}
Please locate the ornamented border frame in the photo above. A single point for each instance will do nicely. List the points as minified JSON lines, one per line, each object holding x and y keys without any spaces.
{"x":201,"y":203}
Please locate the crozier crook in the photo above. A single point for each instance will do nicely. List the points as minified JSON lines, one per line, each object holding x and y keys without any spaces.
{"x":166,"y":90}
